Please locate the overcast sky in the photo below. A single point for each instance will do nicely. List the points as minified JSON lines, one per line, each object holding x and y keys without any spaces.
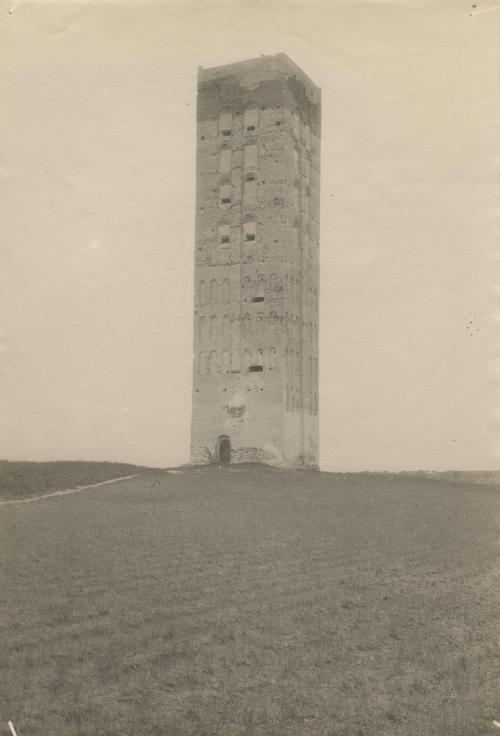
{"x":97,"y":175}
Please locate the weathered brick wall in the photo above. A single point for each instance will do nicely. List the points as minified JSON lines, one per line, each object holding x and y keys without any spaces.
{"x":257,"y":263}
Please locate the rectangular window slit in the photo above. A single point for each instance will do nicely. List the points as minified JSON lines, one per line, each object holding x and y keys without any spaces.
{"x":258,"y":299}
{"x":256,"y":368}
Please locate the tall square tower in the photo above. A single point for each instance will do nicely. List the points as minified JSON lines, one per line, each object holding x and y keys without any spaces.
{"x":255,"y":377}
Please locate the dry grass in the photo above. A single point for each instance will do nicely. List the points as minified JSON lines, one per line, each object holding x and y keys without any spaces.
{"x":251,"y":601}
{"x":27,"y":479}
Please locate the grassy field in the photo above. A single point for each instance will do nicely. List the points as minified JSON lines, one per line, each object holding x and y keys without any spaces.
{"x":28,"y":479}
{"x":252,"y":601}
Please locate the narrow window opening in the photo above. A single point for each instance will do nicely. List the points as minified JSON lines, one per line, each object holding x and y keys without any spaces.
{"x":247,"y":328}
{"x":212,"y":362}
{"x":225,"y":194}
{"x":251,"y":118}
{"x":258,"y":299}
{"x":250,"y":156}
{"x":225,"y":160}
{"x":260,"y":323}
{"x":225,"y":123}
{"x":214,"y":291}
{"x":224,"y":234}
{"x":250,"y":188}
{"x":250,"y":231}
{"x":256,"y":368}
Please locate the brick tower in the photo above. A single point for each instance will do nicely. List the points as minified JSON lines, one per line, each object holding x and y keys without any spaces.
{"x":255,"y":379}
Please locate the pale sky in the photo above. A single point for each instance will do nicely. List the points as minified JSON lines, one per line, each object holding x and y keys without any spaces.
{"x":97,"y":176}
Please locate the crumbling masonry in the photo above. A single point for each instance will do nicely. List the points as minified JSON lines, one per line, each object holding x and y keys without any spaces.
{"x":255,"y":380}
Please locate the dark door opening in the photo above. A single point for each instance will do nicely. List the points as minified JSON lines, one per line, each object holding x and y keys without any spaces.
{"x":224,"y":449}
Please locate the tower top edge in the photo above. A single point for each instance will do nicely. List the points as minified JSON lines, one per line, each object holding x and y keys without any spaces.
{"x":268,"y":65}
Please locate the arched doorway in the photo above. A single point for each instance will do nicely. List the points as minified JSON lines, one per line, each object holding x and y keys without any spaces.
{"x":224,"y":448}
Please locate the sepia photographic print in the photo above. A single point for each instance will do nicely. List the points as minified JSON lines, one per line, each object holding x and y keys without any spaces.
{"x":249,"y":474}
